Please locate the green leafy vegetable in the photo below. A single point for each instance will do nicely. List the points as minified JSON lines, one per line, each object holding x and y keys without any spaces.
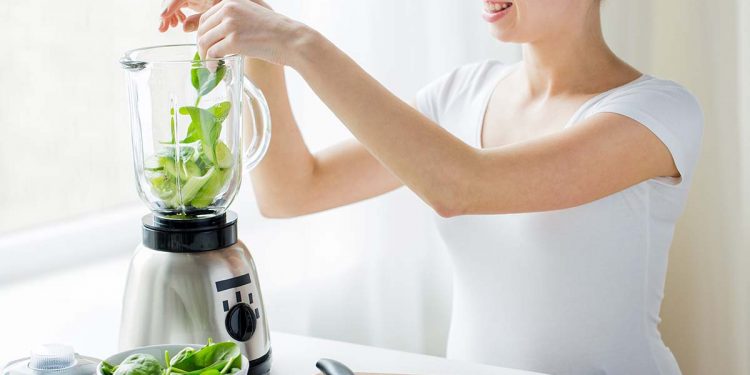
{"x":139,"y":364}
{"x":107,"y":368}
{"x":223,"y":155}
{"x":203,"y":79}
{"x":205,"y":126}
{"x":211,"y":188}
{"x":213,"y":359}
{"x":182,"y":355}
{"x":195,"y":170}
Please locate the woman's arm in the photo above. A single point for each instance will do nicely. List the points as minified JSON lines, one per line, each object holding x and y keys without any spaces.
{"x":600,"y":156}
{"x":291,"y":181}
{"x":604,"y":154}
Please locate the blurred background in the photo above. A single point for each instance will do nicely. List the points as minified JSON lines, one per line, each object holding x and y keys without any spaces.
{"x":70,"y":216}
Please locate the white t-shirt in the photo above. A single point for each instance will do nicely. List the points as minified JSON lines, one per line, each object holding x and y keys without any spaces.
{"x":572,"y":291}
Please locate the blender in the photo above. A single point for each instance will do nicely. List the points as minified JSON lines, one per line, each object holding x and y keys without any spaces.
{"x":191,"y":278}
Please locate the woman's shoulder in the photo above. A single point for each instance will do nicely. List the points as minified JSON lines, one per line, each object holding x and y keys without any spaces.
{"x":467,"y":76}
{"x":653,"y":94}
{"x":463,"y":83}
{"x":666,"y":108}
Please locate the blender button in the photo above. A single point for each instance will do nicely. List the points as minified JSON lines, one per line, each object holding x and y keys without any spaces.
{"x":238,"y":296}
{"x":226,"y":305}
{"x":250,"y":296}
{"x":257,"y":313}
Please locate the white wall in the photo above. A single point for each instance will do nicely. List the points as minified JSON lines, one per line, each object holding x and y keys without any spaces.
{"x":64,"y":130}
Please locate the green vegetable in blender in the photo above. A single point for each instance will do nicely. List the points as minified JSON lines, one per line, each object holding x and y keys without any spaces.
{"x":202,"y":79}
{"x":205,"y":126}
{"x":194,"y":171}
{"x":223,"y":155}
{"x":194,"y":185}
{"x":162,"y":185}
{"x":212,"y":188}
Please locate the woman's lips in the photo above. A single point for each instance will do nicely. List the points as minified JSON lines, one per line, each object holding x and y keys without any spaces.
{"x":495,"y":10}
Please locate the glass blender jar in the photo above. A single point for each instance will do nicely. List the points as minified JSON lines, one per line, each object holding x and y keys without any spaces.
{"x":191,"y":278}
{"x":186,"y":116}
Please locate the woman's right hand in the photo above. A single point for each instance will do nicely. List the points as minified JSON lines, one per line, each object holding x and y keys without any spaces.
{"x":173,"y":15}
{"x":290,"y":181}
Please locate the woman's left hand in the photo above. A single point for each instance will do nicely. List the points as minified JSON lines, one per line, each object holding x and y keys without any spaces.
{"x":246,"y":28}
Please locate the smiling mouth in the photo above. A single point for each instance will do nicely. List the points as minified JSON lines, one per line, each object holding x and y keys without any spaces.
{"x":491,"y":7}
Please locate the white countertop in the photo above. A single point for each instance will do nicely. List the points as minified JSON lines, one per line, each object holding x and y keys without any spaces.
{"x":297,"y":355}
{"x":58,"y":307}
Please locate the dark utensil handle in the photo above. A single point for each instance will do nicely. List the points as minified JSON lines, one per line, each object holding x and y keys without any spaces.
{"x":331,"y":367}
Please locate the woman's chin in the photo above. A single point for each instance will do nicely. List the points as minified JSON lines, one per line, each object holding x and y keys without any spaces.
{"x":503,"y":35}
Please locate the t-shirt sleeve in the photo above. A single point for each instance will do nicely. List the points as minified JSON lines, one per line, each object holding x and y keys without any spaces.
{"x":435,"y":98}
{"x":428,"y":96}
{"x":671,"y":112}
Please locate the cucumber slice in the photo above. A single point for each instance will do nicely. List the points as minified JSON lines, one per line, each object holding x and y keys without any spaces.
{"x":180,"y":170}
{"x":162,"y":186}
{"x":152,"y":164}
{"x":194,"y":185}
{"x":169,"y":166}
{"x":212,"y":188}
{"x":223,"y":155}
{"x":193,"y":169}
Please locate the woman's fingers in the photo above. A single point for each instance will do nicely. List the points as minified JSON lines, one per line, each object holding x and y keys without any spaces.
{"x":163,"y":26}
{"x":181,"y":16}
{"x":210,"y":38}
{"x":191,"y":23}
{"x":210,"y":18}
{"x":219,"y":49}
{"x":174,"y":6}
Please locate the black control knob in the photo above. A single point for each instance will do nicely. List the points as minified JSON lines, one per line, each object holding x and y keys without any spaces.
{"x":241,"y":322}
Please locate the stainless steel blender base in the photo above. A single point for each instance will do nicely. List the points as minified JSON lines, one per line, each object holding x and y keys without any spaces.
{"x":187,"y":298}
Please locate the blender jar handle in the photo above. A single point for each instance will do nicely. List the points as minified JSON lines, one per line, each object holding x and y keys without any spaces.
{"x":262,"y":134}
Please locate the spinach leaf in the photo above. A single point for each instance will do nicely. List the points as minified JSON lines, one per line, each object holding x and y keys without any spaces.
{"x":107,"y":368}
{"x":204,"y":80}
{"x":213,"y":359}
{"x":139,"y":364}
{"x":220,"y":111}
{"x":205,"y":126}
{"x":217,"y":357}
{"x":182,"y":356}
{"x":200,"y":119}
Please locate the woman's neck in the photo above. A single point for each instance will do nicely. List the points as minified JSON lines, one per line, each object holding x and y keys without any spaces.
{"x":577,"y":61}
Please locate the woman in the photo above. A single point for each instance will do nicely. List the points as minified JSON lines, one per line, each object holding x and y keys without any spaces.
{"x":559,"y":179}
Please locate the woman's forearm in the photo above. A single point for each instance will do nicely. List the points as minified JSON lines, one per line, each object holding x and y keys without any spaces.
{"x":431,"y":161}
{"x":567,"y":168}
{"x":288,"y":166}
{"x":291,"y":181}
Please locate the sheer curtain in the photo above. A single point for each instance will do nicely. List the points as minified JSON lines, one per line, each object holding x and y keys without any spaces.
{"x":374,"y":272}
{"x":705,"y":310}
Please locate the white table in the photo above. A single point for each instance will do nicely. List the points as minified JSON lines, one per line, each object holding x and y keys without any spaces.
{"x":58,"y":307}
{"x":297,"y":355}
